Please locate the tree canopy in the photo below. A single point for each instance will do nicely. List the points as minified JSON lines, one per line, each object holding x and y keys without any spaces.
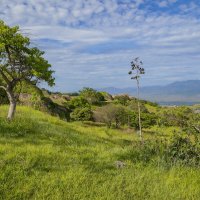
{"x":19,"y":61}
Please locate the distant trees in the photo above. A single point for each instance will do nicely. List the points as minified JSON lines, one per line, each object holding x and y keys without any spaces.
{"x":20,"y":62}
{"x":136,"y":71}
{"x":122,"y":99}
{"x":92,"y":96}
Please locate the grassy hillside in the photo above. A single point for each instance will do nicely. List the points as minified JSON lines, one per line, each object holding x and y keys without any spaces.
{"x":42,"y":157}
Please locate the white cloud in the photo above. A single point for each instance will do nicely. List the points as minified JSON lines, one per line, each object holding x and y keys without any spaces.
{"x":163,"y":3}
{"x":168,"y":44}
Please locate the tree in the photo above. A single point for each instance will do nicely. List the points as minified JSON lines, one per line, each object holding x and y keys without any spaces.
{"x":136,"y":71}
{"x":92,"y":96}
{"x":81,"y":114}
{"x":20,"y":62}
{"x":78,"y":102}
{"x":122,"y":99}
{"x":111,"y":113}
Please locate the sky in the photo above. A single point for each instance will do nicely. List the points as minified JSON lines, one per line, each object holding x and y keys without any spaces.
{"x":90,"y":43}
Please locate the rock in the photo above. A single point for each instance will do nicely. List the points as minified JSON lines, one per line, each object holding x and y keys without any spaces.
{"x":119,"y":164}
{"x":66,"y":97}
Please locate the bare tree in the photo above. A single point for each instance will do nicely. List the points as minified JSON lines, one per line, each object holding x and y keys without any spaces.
{"x":136,"y":71}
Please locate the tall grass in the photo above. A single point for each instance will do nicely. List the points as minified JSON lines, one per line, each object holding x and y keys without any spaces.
{"x":42,"y":157}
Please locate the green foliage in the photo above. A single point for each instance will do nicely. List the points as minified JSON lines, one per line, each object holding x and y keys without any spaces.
{"x":183,"y":150}
{"x":175,"y":117}
{"x":80,"y":109}
{"x":92,"y":96}
{"x":47,"y":105}
{"x":148,"y":120}
{"x":78,"y":102}
{"x":3,"y":97}
{"x":122,"y":99}
{"x":16,"y":48}
{"x":111,"y":114}
{"x":179,"y":150}
{"x":107,"y":96}
{"x":81,"y":114}
{"x":133,"y":105}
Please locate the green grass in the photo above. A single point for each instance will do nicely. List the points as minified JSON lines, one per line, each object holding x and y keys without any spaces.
{"x":42,"y":157}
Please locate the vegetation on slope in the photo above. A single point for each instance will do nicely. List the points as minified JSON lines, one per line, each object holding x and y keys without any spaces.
{"x":43,"y":157}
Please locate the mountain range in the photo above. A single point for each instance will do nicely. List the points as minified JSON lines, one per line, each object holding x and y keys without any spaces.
{"x":176,"y":93}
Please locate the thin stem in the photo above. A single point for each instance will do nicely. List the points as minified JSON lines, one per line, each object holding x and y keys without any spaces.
{"x":139,"y":111}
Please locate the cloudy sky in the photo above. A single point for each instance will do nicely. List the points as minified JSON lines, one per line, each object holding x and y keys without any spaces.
{"x":91,"y":42}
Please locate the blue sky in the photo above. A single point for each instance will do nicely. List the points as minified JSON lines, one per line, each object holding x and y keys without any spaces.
{"x":91,"y":42}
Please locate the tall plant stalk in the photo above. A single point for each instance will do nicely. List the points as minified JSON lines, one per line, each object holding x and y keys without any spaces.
{"x":137,"y":71}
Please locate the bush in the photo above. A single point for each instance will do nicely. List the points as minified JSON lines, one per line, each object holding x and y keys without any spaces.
{"x":133,"y":105}
{"x":147,"y":119}
{"x":81,"y":114}
{"x":111,"y":114}
{"x":175,"y":117}
{"x":107,"y":96}
{"x":122,"y":99}
{"x":78,"y":102}
{"x":180,"y":150}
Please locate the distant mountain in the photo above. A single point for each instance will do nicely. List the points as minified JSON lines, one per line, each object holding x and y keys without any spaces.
{"x":183,"y":92}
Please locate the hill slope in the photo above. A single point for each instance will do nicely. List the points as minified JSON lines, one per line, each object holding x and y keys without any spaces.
{"x":42,"y":157}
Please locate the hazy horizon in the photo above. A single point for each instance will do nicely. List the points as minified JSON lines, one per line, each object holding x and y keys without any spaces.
{"x":52,"y":89}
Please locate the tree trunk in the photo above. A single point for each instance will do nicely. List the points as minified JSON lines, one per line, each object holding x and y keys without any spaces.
{"x":11,"y":111}
{"x":13,"y":104}
{"x":139,"y":112}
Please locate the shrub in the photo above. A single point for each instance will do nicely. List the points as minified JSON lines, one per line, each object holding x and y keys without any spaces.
{"x":147,"y":119}
{"x":175,"y":117}
{"x":78,"y":102}
{"x":107,"y":96}
{"x":180,"y":150}
{"x":111,"y":113}
{"x":81,"y":114}
{"x":122,"y":99}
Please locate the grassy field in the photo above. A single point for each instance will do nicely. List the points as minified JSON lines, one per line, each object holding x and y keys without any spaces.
{"x":42,"y":157}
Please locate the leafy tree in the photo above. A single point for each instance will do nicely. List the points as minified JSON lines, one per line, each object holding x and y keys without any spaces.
{"x":122,"y":99}
{"x":92,"y":96}
{"x":111,"y":114}
{"x":133,"y":105}
{"x":20,"y":62}
{"x":78,"y":102}
{"x":148,"y":119}
{"x":137,"y":70}
{"x":81,"y":114}
{"x":3,"y":95}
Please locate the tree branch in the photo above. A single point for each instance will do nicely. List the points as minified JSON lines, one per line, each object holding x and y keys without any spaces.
{"x":197,"y":129}
{"x":3,"y":87}
{"x":4,"y":76}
